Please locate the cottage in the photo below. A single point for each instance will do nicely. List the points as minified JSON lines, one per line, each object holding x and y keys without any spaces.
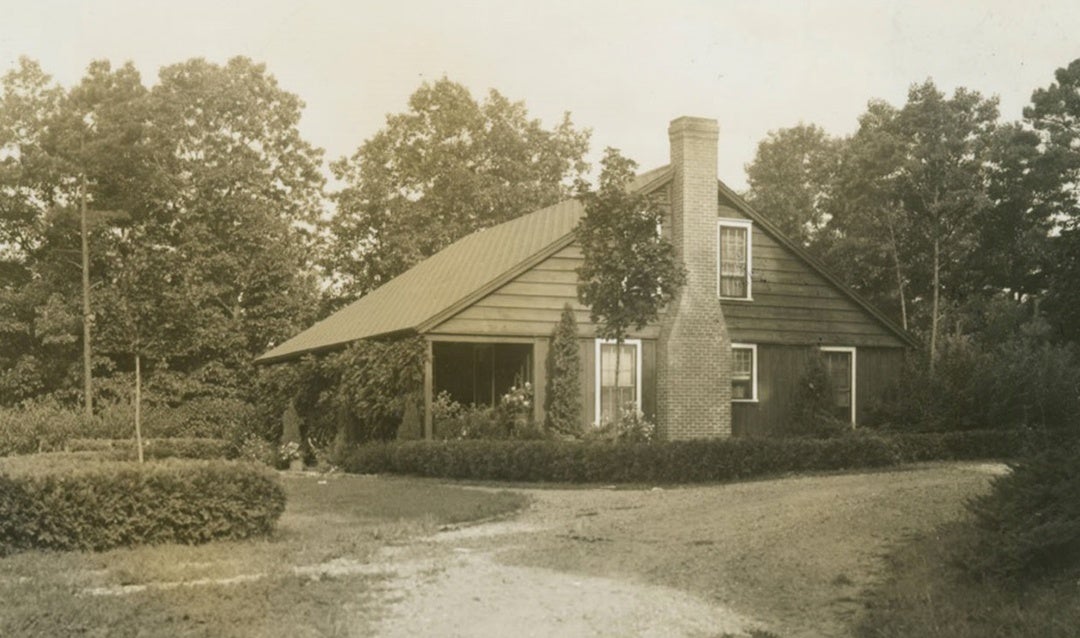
{"x":725,"y":357}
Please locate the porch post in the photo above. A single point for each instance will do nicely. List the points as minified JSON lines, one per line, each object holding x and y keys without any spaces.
{"x":429,"y":389}
{"x":540,"y":354}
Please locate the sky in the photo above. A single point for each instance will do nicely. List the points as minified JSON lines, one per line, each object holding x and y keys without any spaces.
{"x":623,"y":69}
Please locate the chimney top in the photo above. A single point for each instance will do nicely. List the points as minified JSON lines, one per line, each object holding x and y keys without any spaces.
{"x":693,"y":126}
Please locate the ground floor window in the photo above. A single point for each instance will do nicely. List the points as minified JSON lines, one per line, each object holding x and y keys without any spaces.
{"x":840,"y":364}
{"x":615,"y":392}
{"x":743,"y":372}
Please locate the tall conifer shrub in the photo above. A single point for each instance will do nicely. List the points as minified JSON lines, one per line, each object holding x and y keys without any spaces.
{"x":563,"y":406}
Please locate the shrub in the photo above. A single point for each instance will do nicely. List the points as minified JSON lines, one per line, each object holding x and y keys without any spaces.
{"x":679,"y":461}
{"x":255,"y":449}
{"x":563,"y":400}
{"x":38,"y":427}
{"x":1029,"y":524}
{"x":632,"y":426}
{"x":203,"y":417}
{"x":57,"y":503}
{"x":47,"y":426}
{"x":1022,"y":381}
{"x":814,"y":413}
{"x":510,"y":419}
{"x":186,"y":448}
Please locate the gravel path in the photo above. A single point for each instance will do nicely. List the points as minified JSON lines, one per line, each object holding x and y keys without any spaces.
{"x":789,"y":556}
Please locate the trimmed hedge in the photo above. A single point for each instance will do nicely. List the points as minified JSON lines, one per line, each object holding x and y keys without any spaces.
{"x":48,"y":427}
{"x":183,"y":448}
{"x":682,"y":461}
{"x":69,"y":503}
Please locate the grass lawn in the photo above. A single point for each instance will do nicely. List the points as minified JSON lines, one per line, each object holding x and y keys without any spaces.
{"x":249,"y":588}
{"x":926,"y":594}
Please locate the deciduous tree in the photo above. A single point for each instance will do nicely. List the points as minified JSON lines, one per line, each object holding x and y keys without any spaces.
{"x":790,"y":179}
{"x":629,"y":272}
{"x":447,"y":167}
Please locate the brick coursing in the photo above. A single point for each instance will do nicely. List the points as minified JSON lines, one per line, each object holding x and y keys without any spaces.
{"x":694,"y":351}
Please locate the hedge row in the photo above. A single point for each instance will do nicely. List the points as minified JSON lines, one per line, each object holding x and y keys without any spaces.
{"x":66,"y":503}
{"x":48,"y":427}
{"x":182,"y":448}
{"x":681,"y":461}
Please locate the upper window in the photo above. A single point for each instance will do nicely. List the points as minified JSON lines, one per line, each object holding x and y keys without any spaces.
{"x":617,"y":391}
{"x":743,"y":372}
{"x":734,"y":258}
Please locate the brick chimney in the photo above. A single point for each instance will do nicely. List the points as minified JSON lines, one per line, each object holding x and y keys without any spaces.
{"x":694,"y":352}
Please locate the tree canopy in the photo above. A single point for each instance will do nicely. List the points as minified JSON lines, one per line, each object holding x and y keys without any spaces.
{"x":936,"y":205}
{"x":200,"y":191}
{"x":629,"y":272}
{"x":447,"y":167}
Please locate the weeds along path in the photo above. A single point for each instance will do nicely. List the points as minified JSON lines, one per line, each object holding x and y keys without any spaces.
{"x":790,"y":556}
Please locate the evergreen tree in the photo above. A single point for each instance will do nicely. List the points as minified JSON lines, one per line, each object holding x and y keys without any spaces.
{"x":563,"y":403}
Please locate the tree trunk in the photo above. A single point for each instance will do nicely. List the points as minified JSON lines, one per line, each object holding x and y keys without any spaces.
{"x":88,"y":385}
{"x":899,"y":275}
{"x":935,"y":304}
{"x":138,"y":406}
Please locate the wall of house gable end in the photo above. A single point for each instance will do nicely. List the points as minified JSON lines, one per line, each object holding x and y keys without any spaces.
{"x":530,"y":305}
{"x":793,"y":304}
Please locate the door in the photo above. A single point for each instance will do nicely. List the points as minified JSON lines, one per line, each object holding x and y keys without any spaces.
{"x":840,"y":363}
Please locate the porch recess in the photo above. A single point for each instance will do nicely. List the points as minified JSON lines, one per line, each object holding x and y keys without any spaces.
{"x":477,"y":370}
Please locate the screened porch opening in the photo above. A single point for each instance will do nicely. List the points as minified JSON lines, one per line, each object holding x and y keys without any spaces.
{"x":480,"y":373}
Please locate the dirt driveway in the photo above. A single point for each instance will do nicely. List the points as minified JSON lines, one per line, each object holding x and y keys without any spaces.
{"x":788,"y":556}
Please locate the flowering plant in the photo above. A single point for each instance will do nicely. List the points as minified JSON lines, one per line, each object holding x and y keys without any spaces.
{"x":289,"y":451}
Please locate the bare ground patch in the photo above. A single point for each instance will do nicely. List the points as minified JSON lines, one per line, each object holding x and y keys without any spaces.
{"x":790,"y":556}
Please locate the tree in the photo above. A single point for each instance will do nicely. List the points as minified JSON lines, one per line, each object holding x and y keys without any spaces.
{"x":29,"y":98}
{"x":69,"y":157}
{"x":629,"y":272}
{"x":563,"y":408}
{"x":1013,"y":233}
{"x":790,"y":178}
{"x":199,"y":191}
{"x":446,"y":168}
{"x":920,"y":174}
{"x":143,"y":313}
{"x":1055,"y":114}
{"x":97,"y":126}
{"x":245,"y":192}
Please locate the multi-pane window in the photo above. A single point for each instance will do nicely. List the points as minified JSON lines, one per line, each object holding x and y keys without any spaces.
{"x":840,"y":364}
{"x":619,"y":390}
{"x":743,"y":372}
{"x":734,"y":259}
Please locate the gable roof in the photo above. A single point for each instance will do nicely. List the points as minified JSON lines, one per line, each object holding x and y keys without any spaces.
{"x":442,"y":285}
{"x":437,"y":283}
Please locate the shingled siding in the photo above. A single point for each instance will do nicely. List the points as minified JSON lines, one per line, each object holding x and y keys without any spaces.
{"x":792,"y":304}
{"x":530,"y":305}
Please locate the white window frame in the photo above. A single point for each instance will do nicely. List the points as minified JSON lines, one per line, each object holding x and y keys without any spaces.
{"x":854,"y":358}
{"x":753,"y":373}
{"x":749,"y":227}
{"x":637,"y":373}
